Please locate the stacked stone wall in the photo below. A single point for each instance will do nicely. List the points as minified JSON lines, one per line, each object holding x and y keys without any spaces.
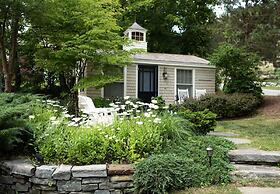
{"x":22,"y":177}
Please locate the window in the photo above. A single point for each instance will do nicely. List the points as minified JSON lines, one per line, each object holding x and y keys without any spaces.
{"x":114,"y":90}
{"x":139,"y":36}
{"x":184,"y":81}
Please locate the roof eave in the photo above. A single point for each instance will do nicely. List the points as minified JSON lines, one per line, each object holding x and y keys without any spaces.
{"x":174,"y":63}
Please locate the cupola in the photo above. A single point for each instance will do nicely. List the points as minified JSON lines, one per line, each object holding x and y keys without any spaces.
{"x":137,"y":34}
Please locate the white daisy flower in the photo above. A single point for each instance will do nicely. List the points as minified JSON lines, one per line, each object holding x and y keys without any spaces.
{"x":31,"y":117}
{"x":146,"y":114}
{"x":52,"y":118}
{"x":139,"y":123}
{"x":154,"y":101}
{"x":157,"y":120}
{"x":77,"y":119}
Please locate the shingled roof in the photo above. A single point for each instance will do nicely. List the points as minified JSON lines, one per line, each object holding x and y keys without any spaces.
{"x":136,"y":26}
{"x":175,"y":58}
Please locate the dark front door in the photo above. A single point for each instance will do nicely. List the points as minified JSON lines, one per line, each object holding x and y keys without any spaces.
{"x":147,"y":82}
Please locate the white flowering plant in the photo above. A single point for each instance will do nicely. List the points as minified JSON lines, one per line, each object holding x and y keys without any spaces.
{"x":138,"y":130}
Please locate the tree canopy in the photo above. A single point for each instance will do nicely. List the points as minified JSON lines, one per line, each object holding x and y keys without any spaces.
{"x":173,"y":26}
{"x":253,"y":24}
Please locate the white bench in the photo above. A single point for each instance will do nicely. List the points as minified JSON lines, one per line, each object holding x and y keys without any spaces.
{"x":96,"y":115}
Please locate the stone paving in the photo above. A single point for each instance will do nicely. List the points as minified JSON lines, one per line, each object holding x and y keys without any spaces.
{"x":231,"y":137}
{"x":271,"y":92}
{"x":259,"y":190}
{"x":222,"y":134}
{"x":249,"y":163}
{"x":238,"y":141}
{"x":256,"y":171}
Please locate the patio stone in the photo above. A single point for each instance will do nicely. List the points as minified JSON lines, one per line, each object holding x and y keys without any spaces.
{"x":44,"y":171}
{"x":63,"y":172}
{"x":222,"y":134}
{"x":20,"y":167}
{"x":238,"y":141}
{"x":254,"y":156}
{"x":69,"y":185}
{"x":120,"y":169}
{"x":256,"y":171}
{"x":258,"y":190}
{"x":90,"y":171}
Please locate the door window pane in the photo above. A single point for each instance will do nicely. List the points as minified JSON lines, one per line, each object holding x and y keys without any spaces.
{"x":147,"y":80}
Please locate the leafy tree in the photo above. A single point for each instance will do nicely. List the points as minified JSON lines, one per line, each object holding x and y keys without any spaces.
{"x":253,"y":24}
{"x":237,"y":69}
{"x":80,"y":34}
{"x":173,"y":26}
{"x":14,"y":16}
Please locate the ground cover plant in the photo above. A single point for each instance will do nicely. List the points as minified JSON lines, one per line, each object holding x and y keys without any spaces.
{"x":184,"y":165}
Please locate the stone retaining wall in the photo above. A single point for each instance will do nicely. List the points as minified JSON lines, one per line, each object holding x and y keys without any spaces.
{"x":21,"y":176}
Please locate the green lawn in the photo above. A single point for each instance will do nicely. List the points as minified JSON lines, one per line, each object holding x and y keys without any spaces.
{"x":232,"y":188}
{"x":264,"y":132}
{"x":227,"y":189}
{"x":271,"y":88}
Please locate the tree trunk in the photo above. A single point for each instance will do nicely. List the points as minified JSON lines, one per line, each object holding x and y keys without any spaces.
{"x":18,"y":80}
{"x":14,"y":44}
{"x":6,"y":69}
{"x":8,"y":66}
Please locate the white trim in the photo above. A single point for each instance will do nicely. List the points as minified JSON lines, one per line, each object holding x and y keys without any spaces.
{"x":194,"y":85}
{"x":124,"y":81}
{"x":158,"y":92}
{"x":175,"y":83}
{"x":102,"y":92}
{"x":173,"y":63}
{"x":137,"y":69}
{"x":193,"y":79}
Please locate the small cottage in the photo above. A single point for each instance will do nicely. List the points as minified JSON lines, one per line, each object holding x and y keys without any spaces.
{"x":159,"y":74}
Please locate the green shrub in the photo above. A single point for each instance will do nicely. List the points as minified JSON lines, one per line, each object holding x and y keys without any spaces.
{"x":184,"y":165}
{"x":237,"y":69}
{"x":100,"y":102}
{"x":15,"y":134}
{"x":127,"y":140}
{"x":165,"y":172}
{"x":224,"y":105}
{"x":202,"y":122}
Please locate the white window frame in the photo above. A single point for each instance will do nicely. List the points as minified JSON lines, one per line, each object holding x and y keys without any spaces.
{"x":175,"y":80}
{"x":140,"y":35}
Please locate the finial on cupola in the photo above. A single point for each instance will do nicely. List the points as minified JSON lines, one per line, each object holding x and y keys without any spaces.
{"x":137,"y":34}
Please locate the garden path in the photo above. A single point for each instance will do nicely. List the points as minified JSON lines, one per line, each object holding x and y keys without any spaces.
{"x":259,"y":190}
{"x":252,"y":163}
{"x":271,"y":92}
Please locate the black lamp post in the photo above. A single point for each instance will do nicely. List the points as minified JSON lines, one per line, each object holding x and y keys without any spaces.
{"x":209,"y":151}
